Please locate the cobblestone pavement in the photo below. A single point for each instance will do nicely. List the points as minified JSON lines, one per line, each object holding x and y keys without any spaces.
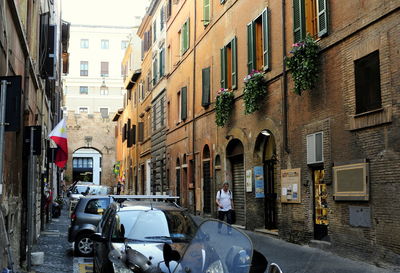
{"x":53,"y":241}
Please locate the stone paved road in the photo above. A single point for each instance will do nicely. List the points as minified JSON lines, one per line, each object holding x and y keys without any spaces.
{"x":58,"y":254}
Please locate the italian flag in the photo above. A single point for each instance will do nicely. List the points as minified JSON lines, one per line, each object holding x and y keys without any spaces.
{"x":59,"y":136}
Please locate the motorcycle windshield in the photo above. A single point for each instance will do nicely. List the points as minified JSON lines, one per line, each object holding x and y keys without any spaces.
{"x":217,"y":247}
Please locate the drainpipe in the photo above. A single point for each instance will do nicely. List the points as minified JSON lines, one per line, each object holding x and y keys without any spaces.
{"x":194,"y":102}
{"x":284,"y":83}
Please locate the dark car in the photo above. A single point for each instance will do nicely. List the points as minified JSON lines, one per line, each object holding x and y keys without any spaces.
{"x":144,"y":226}
{"x":84,"y":219}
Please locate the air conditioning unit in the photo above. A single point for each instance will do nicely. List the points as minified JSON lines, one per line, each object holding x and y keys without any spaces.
{"x":315,"y":149}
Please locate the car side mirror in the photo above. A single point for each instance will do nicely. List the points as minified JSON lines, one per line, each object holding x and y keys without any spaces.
{"x":97,"y":238}
{"x":170,"y":254}
{"x":274,"y":268}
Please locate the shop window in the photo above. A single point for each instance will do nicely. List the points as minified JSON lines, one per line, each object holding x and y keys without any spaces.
{"x":368,"y":83}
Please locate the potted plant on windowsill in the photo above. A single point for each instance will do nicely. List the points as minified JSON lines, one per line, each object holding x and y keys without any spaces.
{"x":255,"y":89}
{"x":223,"y":106}
{"x":304,"y":64}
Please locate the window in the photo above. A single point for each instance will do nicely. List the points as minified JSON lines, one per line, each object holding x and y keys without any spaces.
{"x":162,"y":17}
{"x":84,"y":68}
{"x":258,"y":43}
{"x":82,"y":162}
{"x":169,"y":9}
{"x":154,"y":31}
{"x":104,"y":112}
{"x":229,"y":65}
{"x":162,"y":63}
{"x":351,"y":182}
{"x":205,"y":79}
{"x":104,"y":91}
{"x":184,"y":37}
{"x":104,"y":69}
{"x":104,"y":44}
{"x":206,"y":12}
{"x":83,"y":90}
{"x":84,"y":43}
{"x":97,"y":206}
{"x":309,"y":16}
{"x":124,"y":44}
{"x":162,"y":111}
{"x":155,"y":70}
{"x":368,"y":83}
{"x":315,"y":153}
{"x":83,"y":110}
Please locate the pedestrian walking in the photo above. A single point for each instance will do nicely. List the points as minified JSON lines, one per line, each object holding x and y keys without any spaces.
{"x":224,"y":202}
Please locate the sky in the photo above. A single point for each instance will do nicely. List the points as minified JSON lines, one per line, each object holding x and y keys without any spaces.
{"x":103,"y":12}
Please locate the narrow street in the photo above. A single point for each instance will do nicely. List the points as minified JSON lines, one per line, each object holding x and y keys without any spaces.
{"x":58,"y":254}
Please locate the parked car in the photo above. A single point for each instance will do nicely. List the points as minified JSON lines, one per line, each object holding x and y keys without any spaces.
{"x":86,"y":189}
{"x":84,"y":219}
{"x":143,"y":225}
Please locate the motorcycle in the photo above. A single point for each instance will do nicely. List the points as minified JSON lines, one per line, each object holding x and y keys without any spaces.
{"x":216,"y":248}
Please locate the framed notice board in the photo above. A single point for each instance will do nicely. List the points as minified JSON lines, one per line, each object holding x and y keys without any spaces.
{"x":290,"y":186}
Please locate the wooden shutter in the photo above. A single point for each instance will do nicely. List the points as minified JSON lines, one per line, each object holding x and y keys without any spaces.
{"x":234,"y":62}
{"x":265,"y":26}
{"x":133,"y":134}
{"x":322,"y":18}
{"x":250,"y":48}
{"x":128,"y":133}
{"x":205,"y":101}
{"x":184,"y":103}
{"x":206,"y":12}
{"x":223,"y":67}
{"x":162,"y":63}
{"x":154,"y":116}
{"x":141,"y":132}
{"x":298,"y":20}
{"x":124,"y":133}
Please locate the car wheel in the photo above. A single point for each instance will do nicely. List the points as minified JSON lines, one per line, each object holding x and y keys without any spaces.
{"x":84,"y":245}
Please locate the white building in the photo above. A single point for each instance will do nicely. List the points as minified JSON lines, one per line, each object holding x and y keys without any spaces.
{"x":95,"y":80}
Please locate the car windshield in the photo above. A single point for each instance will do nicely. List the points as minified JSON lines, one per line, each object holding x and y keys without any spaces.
{"x":156,"y":225}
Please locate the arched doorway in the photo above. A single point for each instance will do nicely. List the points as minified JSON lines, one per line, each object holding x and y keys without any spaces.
{"x":86,"y":165}
{"x":206,"y":180}
{"x":217,"y":180}
{"x":265,"y":154}
{"x":235,"y":156}
{"x":178,"y":180}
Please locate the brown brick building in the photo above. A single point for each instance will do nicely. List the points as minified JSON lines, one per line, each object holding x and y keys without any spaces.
{"x":320,"y":166}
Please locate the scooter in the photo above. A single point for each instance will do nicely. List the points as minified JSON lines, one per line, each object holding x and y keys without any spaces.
{"x":216,"y":248}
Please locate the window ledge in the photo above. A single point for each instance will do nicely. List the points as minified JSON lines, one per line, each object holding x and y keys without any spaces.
{"x":371,"y":118}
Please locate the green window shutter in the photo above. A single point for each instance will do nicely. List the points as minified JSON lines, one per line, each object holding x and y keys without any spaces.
{"x":205,"y":101}
{"x":299,"y":20}
{"x":322,"y":18}
{"x":206,"y":12}
{"x":128,"y":133}
{"x":223,"y":67}
{"x":250,"y":48}
{"x":133,"y":134}
{"x":234,"y":63}
{"x":265,"y":26}
{"x":184,"y":103}
{"x":162,"y":63}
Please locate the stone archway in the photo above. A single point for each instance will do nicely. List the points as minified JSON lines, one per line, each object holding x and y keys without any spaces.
{"x":86,"y":165}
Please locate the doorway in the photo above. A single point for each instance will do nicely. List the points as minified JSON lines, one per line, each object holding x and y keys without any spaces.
{"x":178,"y":181}
{"x":235,"y":154}
{"x":206,"y":180}
{"x":321,"y":221}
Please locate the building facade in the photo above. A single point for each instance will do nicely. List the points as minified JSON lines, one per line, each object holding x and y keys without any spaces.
{"x":33,"y":56}
{"x":94,"y":93}
{"x":316,"y":167}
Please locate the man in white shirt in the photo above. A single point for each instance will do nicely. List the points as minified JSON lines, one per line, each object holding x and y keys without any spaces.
{"x":224,"y":202}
